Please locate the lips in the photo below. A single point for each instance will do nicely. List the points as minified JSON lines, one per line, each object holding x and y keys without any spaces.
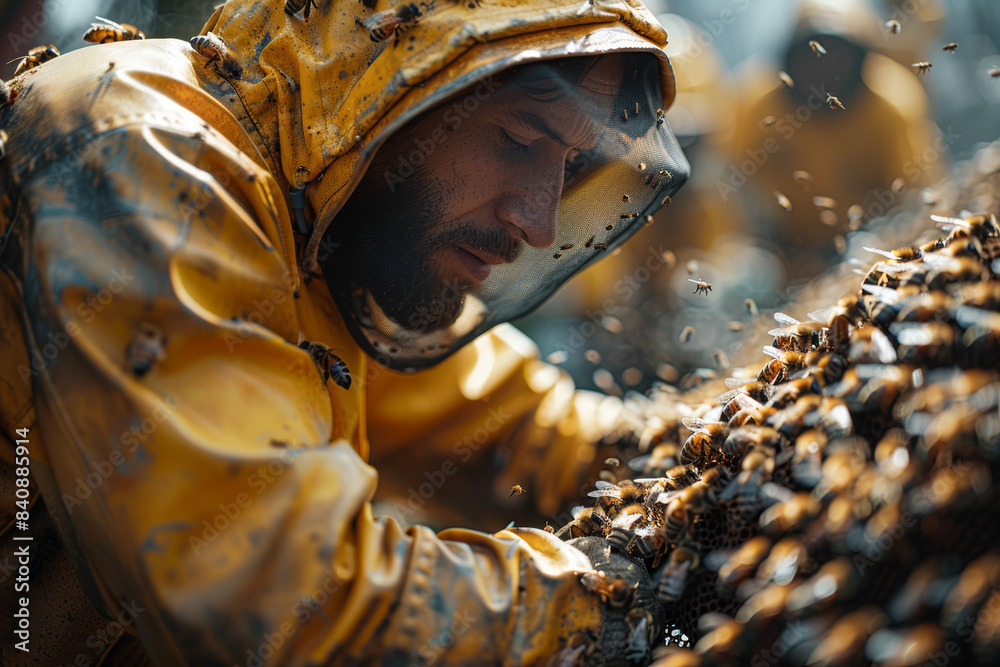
{"x":477,"y":262}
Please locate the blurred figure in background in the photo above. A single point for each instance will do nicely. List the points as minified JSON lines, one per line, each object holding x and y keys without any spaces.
{"x":807,"y":157}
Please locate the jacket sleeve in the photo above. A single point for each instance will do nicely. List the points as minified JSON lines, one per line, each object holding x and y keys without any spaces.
{"x":496,"y":399}
{"x":217,"y":515}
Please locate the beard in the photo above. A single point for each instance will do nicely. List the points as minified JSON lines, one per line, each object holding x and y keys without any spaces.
{"x":387,"y":244}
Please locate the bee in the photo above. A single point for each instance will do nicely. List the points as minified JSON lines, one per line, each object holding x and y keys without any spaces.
{"x":660,"y":117}
{"x":109,"y":31}
{"x":145,"y":348}
{"x":767,"y":122}
{"x":742,"y":563}
{"x":642,"y":634}
{"x":673,"y":578}
{"x":293,"y":7}
{"x":783,"y":201}
{"x":328,"y":364}
{"x":751,"y":307}
{"x":922,"y":67}
{"x":681,"y":507}
{"x":696,"y":448}
{"x":216,"y":50}
{"x":951,"y":47}
{"x":824,"y":202}
{"x":701,"y":286}
{"x":793,"y":334}
{"x":833,"y":102}
{"x":802,"y":176}
{"x":791,"y":515}
{"x":616,"y":593}
{"x":600,"y":246}
{"x":517,"y":489}
{"x":589,"y":242}
{"x":786,"y":79}
{"x":980,"y":226}
{"x":893,"y":26}
{"x":655,"y":180}
{"x":566,"y":246}
{"x":586,"y":521}
{"x":557,"y":255}
{"x":717,"y":478}
{"x":773,"y":372}
{"x":687,"y":335}
{"x":37,"y":55}
{"x":625,"y":492}
{"x":385,"y":24}
{"x":817,"y":48}
{"x":662,"y":457}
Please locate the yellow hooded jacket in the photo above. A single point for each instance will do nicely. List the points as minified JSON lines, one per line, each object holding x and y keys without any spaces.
{"x":223,"y":496}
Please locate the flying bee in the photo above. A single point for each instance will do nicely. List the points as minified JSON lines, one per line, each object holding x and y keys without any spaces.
{"x":833,"y":102}
{"x":660,"y":117}
{"x":817,"y":48}
{"x":517,"y":489}
{"x":767,"y":122}
{"x":802,"y":176}
{"x":951,"y":47}
{"x":217,"y":51}
{"x":145,"y":348}
{"x":922,"y":67}
{"x":293,"y":7}
{"x":687,"y":335}
{"x":786,"y":79}
{"x":701,"y":287}
{"x":893,"y":26}
{"x":37,"y":55}
{"x":109,"y":31}
{"x":385,"y":24}
{"x":328,"y":364}
{"x":783,"y":201}
{"x":673,"y":579}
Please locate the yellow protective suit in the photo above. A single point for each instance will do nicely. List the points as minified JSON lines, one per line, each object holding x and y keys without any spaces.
{"x":221,"y":500}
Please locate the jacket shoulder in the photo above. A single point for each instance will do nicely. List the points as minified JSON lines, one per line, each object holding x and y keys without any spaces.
{"x":61,"y":105}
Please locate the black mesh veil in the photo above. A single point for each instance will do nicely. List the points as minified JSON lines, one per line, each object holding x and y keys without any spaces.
{"x":479,"y":209}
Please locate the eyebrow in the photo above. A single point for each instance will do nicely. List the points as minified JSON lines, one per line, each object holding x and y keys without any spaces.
{"x":540,"y":124}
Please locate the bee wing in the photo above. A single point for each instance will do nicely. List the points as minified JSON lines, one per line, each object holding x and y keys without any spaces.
{"x":748,"y":402}
{"x":773,"y":352}
{"x":889,"y":295}
{"x":969,"y":316}
{"x":892,"y":269}
{"x":735,"y":383}
{"x":728,"y":396}
{"x":912,"y":333}
{"x":695,"y":424}
{"x":601,"y":484}
{"x":668,"y":497}
{"x":107,"y":21}
{"x":948,"y":224}
{"x":638,"y":464}
{"x":577,"y":512}
{"x":877,"y":251}
{"x":884,"y":351}
{"x":785,"y":320}
{"x":609,"y":493}
{"x":625,"y":520}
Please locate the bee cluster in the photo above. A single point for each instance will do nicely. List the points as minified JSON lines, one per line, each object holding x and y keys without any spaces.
{"x":837,"y":507}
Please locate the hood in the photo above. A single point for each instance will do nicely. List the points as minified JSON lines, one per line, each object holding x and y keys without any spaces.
{"x":323,"y":96}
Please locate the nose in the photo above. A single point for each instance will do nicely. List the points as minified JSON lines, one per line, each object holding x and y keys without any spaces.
{"x":531,"y":201}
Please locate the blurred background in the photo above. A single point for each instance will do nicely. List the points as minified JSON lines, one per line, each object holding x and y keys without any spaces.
{"x":786,"y":190}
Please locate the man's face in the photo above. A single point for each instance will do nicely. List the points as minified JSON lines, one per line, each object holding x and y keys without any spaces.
{"x":461,"y":190}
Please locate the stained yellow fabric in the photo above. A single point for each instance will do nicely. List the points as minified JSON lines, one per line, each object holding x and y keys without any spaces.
{"x":225,"y":494}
